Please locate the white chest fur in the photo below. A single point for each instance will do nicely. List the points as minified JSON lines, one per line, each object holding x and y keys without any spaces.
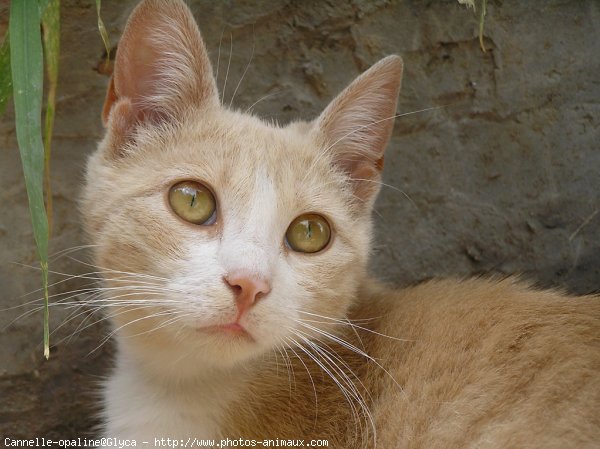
{"x":142,"y":408}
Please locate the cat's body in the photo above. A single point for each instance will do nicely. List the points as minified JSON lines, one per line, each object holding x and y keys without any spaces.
{"x":234,"y":254}
{"x":476,"y":364}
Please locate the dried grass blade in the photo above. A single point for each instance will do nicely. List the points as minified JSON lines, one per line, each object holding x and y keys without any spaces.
{"x":103,"y":33}
{"x":481,"y":23}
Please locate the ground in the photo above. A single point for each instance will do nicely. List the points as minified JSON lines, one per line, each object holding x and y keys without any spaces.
{"x":493,"y":167}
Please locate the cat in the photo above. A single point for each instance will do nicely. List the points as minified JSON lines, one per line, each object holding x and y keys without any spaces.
{"x":234,"y":255}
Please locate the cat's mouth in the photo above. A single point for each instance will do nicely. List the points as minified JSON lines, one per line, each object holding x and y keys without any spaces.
{"x":234,"y":329}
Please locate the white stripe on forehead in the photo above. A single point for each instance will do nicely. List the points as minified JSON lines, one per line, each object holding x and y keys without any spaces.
{"x":249,"y":242}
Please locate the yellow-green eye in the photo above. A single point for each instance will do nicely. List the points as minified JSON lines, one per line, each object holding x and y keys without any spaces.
{"x":308,"y":233}
{"x":193,"y":202}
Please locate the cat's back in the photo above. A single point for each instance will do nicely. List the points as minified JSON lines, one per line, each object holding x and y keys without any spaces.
{"x":486,"y":364}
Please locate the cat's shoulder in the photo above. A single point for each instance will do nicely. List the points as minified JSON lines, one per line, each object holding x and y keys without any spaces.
{"x":502,"y":312}
{"x":507,"y":294}
{"x":474,"y":353}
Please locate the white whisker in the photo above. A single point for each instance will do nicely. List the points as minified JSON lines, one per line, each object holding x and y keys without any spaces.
{"x":358,"y":351}
{"x":219,"y":54}
{"x":344,"y":383}
{"x":290,"y":347}
{"x":228,"y":65}
{"x":245,"y":70}
{"x":264,"y":97}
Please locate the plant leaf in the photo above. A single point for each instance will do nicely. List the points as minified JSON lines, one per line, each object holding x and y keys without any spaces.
{"x":42,"y":5}
{"x":481,"y":22}
{"x":5,"y":76}
{"x":27,"y":75}
{"x":51,"y":28}
{"x":103,"y":32}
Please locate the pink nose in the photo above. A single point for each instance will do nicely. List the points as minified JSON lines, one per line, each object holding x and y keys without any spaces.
{"x":247,"y":290}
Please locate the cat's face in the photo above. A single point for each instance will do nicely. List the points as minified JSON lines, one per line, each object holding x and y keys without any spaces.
{"x":221,"y":236}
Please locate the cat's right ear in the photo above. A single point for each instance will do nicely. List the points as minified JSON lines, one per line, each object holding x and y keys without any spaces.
{"x":358,"y":123}
{"x":161,"y":68}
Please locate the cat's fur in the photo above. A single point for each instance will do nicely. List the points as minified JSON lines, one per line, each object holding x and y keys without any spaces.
{"x":446,"y":364}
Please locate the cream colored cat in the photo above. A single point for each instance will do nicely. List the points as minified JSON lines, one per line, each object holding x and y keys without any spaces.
{"x":235,"y":253}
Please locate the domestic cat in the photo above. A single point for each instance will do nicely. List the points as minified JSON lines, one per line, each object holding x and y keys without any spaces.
{"x":234,"y":254}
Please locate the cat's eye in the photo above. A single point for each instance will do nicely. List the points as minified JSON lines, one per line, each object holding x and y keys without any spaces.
{"x":308,"y":233}
{"x":193,"y":202}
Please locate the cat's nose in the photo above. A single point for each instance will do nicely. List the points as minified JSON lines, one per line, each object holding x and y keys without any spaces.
{"x":247,"y":290}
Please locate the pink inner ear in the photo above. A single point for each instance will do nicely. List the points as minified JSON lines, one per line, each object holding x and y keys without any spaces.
{"x":140,"y":77}
{"x":365,"y":180}
{"x":123,"y":120}
{"x":110,"y":98}
{"x":161,"y":65}
{"x":358,"y":123}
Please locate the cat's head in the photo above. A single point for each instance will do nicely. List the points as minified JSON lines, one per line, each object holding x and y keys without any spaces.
{"x":221,"y":236}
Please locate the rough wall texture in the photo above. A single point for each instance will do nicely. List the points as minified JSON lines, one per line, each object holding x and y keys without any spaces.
{"x":499,"y":173}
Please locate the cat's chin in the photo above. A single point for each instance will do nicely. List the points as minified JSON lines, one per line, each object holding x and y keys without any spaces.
{"x":189,"y":350}
{"x":221,"y":346}
{"x":196,"y":353}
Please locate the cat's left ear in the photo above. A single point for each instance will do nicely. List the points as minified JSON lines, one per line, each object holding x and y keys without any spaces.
{"x":358,"y":123}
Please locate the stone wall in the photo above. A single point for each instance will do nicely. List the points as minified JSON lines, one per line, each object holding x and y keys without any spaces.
{"x":494,"y":166}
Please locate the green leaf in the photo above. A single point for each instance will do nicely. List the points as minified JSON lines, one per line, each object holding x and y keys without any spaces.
{"x":27,"y":75}
{"x":5,"y":77}
{"x":51,"y":27}
{"x":42,"y":5}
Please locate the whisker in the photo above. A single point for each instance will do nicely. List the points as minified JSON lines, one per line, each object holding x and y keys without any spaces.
{"x":129,"y":323}
{"x":345,"y":384}
{"x":288,"y":366}
{"x":288,"y":346}
{"x":84,"y":290}
{"x":107,"y":270}
{"x":264,"y":97}
{"x":323,"y":368}
{"x":358,"y":351}
{"x":219,"y":54}
{"x":245,"y":70}
{"x":367,"y":126}
{"x":334,"y":354}
{"x":228,"y":64}
{"x":90,"y":275}
{"x":345,"y":320}
{"x":356,"y":326}
{"x":57,"y":255}
{"x":331,"y":358}
{"x":122,"y":308}
{"x":395,"y":116}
